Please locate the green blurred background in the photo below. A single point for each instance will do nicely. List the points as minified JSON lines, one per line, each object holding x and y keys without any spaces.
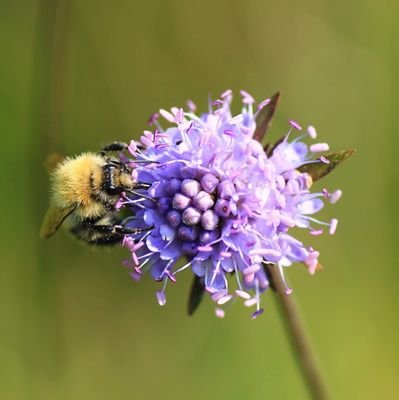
{"x":77,"y":74}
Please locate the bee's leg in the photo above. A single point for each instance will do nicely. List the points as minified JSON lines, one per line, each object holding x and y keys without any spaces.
{"x":117,"y":229}
{"x":103,"y":235}
{"x":113,"y":147}
{"x":116,"y":147}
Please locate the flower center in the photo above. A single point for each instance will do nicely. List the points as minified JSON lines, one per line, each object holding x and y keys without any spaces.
{"x":194,"y":208}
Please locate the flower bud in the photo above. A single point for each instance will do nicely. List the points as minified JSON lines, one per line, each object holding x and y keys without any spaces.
{"x":209,"y":182}
{"x":174,"y":218}
{"x":190,"y":187}
{"x":191,"y":216}
{"x":203,"y":201}
{"x":187,"y":233}
{"x":209,"y":220}
{"x":180,"y":201}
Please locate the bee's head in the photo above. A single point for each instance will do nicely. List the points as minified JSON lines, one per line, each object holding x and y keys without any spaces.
{"x":117,"y":177}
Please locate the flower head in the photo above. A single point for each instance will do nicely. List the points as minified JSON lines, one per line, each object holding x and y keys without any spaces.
{"x":219,"y":200}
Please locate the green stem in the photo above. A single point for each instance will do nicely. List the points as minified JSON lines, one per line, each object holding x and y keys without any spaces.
{"x":298,"y":338}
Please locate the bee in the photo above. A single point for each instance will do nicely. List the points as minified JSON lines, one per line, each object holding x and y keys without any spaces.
{"x":84,"y":192}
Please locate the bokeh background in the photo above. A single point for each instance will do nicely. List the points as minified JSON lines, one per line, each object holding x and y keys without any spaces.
{"x":77,"y":74}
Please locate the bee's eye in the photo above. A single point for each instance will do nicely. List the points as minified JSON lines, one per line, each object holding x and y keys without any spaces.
{"x":109,"y":184}
{"x":113,"y":190}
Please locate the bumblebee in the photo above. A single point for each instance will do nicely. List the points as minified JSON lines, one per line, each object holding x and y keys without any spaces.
{"x":84,"y":193}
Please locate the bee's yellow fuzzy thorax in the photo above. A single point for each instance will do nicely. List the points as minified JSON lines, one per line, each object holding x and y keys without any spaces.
{"x":76,"y":179}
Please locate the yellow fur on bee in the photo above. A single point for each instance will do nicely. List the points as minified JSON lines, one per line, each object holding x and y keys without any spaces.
{"x":75,"y":180}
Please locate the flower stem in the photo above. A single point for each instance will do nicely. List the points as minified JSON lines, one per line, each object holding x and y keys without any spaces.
{"x":298,"y":338}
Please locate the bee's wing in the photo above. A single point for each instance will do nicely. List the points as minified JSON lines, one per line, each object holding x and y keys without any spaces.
{"x":54,"y":217}
{"x":52,"y":160}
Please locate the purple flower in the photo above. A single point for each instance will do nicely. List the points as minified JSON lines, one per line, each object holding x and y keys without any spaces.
{"x":218,"y":200}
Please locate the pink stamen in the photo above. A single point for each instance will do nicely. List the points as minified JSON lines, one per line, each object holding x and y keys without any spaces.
{"x":135,"y":259}
{"x":226,"y":93}
{"x":219,"y":312}
{"x":205,"y":249}
{"x":319,"y":147}
{"x":210,"y":289}
{"x":153,"y":119}
{"x":334,"y":197}
{"x":170,"y":276}
{"x":229,"y":133}
{"x":242,"y":294}
{"x":316,"y":232}
{"x":251,"y":270}
{"x":167,"y":115}
{"x":133,"y":148}
{"x":312,"y":260}
{"x":250,"y":302}
{"x":224,"y":299}
{"x":120,"y":203}
{"x":265,"y":252}
{"x":312,"y":132}
{"x":191,"y":106}
{"x":146,"y":141}
{"x":295,"y":125}
{"x":247,"y":98}
{"x":249,"y":278}
{"x":161,"y":298}
{"x":179,"y":116}
{"x":333,"y":226}
{"x":218,"y":295}
{"x":263,"y":103}
{"x":257,"y":313}
{"x":324,"y":160}
{"x":288,"y":290}
{"x":217,"y":103}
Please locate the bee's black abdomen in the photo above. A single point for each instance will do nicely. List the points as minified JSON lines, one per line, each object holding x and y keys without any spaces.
{"x":100,"y":231}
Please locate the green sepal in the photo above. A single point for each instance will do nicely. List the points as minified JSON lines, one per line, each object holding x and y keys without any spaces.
{"x":264,"y":116}
{"x":196,"y":294}
{"x":320,"y":169}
